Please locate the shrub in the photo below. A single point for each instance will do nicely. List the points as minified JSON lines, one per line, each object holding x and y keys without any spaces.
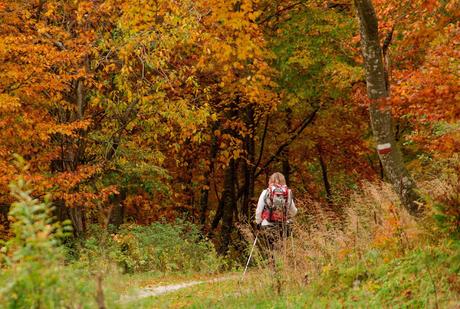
{"x":34,"y":275}
{"x":160,"y":247}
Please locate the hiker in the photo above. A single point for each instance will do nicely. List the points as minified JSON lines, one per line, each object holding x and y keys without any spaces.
{"x":274,"y":209}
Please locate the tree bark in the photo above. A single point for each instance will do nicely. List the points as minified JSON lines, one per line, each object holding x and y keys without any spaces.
{"x":246,"y":171}
{"x":229,"y":204}
{"x":77,"y":217}
{"x":327,"y":185}
{"x":218,"y":215}
{"x":118,"y":212}
{"x":204,"y":196}
{"x":380,"y":112}
{"x":285,"y":165}
{"x":249,"y":164}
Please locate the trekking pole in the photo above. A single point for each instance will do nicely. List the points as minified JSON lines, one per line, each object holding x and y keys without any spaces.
{"x":293,"y":252}
{"x":250,"y":255}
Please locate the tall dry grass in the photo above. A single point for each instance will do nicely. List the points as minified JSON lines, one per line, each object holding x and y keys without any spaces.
{"x":323,"y":237}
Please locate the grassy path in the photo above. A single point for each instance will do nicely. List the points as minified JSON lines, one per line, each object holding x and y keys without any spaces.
{"x":150,"y":291}
{"x":426,"y":277}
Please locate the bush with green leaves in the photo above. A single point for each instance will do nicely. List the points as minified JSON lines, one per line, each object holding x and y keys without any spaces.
{"x":159,"y":247}
{"x":33,"y":272}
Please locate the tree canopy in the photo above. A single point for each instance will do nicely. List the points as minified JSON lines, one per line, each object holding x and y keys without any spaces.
{"x":146,"y":110}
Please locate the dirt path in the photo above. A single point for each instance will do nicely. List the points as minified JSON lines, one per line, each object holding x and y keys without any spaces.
{"x":163,"y":289}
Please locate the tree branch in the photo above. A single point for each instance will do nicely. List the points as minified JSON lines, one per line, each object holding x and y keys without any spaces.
{"x":262,"y":143}
{"x":387,"y":40}
{"x":298,"y":131}
{"x":280,"y":11}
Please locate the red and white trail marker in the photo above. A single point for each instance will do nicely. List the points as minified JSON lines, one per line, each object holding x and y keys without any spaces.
{"x":384,"y":148}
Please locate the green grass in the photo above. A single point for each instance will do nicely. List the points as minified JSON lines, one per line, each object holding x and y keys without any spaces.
{"x":422,"y":278}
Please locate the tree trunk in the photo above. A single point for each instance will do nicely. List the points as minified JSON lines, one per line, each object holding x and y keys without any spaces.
{"x":77,"y":216}
{"x":249,"y":165}
{"x":228,"y":198}
{"x":118,"y":211}
{"x":204,"y":196}
{"x":4,"y":210}
{"x":245,"y":198}
{"x":382,"y":175}
{"x":285,"y":165}
{"x":218,"y":215}
{"x":327,"y":185}
{"x":380,"y":113}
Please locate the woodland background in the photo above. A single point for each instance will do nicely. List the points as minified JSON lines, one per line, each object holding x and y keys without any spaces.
{"x":133,"y":114}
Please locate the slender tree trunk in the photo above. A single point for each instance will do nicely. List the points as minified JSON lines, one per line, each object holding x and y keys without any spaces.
{"x":229,"y":204}
{"x":285,"y":165}
{"x":72,"y":152}
{"x":380,"y":113}
{"x":327,"y":185}
{"x":251,"y":159}
{"x":382,"y":175}
{"x":249,"y":165}
{"x":245,"y":198}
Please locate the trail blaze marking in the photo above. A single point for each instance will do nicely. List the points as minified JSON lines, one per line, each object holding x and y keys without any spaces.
{"x":384,"y":148}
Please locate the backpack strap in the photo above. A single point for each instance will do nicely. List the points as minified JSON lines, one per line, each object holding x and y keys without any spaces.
{"x":267,"y":212}
{"x":267,"y":196}
{"x":289,"y":202}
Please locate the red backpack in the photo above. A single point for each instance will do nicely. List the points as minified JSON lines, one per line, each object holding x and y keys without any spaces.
{"x":277,"y":202}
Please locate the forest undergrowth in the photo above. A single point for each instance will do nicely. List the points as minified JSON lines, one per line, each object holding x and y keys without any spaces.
{"x":370,"y":255}
{"x":374,"y":253}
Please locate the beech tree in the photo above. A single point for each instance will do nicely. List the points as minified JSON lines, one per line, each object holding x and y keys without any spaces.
{"x":380,"y":111}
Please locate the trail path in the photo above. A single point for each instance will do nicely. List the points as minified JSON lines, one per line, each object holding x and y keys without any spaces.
{"x":163,"y":289}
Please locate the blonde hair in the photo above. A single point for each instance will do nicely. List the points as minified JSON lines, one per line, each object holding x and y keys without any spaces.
{"x":277,"y":179}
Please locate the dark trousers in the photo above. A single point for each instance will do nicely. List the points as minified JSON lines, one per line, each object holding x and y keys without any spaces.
{"x":272,"y":236}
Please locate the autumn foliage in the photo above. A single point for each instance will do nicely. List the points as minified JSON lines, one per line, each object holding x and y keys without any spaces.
{"x":146,"y":110}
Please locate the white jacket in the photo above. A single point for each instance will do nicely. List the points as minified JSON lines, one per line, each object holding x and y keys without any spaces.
{"x":292,"y":211}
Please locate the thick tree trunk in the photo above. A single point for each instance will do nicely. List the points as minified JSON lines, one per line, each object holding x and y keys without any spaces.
{"x":77,"y":216}
{"x":204,"y":196}
{"x":117,"y":214}
{"x":229,"y":204}
{"x":218,"y":215}
{"x":380,"y":113}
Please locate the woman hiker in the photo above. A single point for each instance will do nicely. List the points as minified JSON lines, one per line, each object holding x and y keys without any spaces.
{"x":274,"y":209}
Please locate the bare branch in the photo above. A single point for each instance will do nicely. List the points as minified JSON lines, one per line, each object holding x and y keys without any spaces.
{"x":298,"y":131}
